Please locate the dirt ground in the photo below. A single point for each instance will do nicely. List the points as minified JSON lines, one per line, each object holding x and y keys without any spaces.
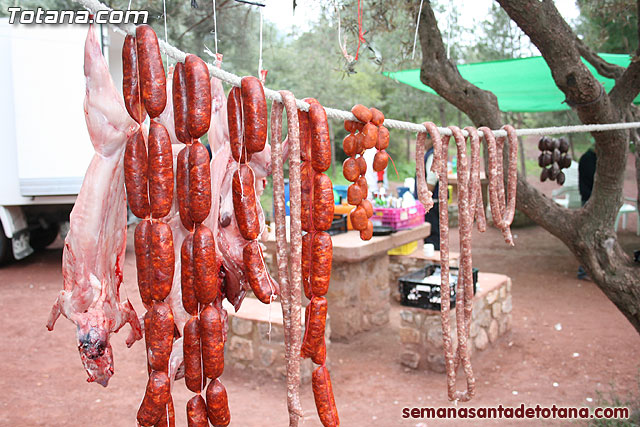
{"x":567,"y":343}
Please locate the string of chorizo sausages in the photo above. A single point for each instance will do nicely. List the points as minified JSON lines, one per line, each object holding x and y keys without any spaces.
{"x":317,"y":251}
{"x":149,"y":184}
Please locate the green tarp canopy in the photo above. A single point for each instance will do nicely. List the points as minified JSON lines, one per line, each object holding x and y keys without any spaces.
{"x":521,"y":85}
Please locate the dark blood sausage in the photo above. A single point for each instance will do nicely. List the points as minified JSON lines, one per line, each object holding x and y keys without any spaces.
{"x":212,"y":342}
{"x":142,"y":247}
{"x":199,"y":183}
{"x":321,"y":256}
{"x":256,"y":272}
{"x":217,"y":404}
{"x":244,"y":202}
{"x":370,"y":132}
{"x":187,"y":276}
{"x":130,"y":82}
{"x":354,"y":194}
{"x":367,"y":233}
{"x":198,"y":96}
{"x":234,"y":119}
{"x":192,"y":359}
{"x":306,"y":197}
{"x":306,"y":264}
{"x":156,"y":398}
{"x":380,"y":161}
{"x":153,"y":84}
{"x":197,"y":412}
{"x":206,"y":265}
{"x":182,"y":187}
{"x":179,"y":92}
{"x":359,"y":218}
{"x":254,"y":112}
{"x":160,"y":336}
{"x":323,"y":203}
{"x":362,"y":113}
{"x":350,"y":169}
{"x":323,"y":395}
{"x":383,"y":138}
{"x":320,"y":141}
{"x":162,"y":260}
{"x":314,"y":328}
{"x":168,"y":417}
{"x":135,"y":174}
{"x":377,"y":118}
{"x":160,"y":170}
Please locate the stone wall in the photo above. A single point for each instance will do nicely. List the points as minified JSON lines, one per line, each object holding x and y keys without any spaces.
{"x":250,"y":345}
{"x":421,"y":330}
{"x":358,"y":296}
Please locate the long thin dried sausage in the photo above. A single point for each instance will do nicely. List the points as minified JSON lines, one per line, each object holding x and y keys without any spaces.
{"x":182,"y":187}
{"x":320,"y":140}
{"x":217,"y":404}
{"x":244,"y":202}
{"x":199,"y":183}
{"x":206,"y":265}
{"x":160,"y":170}
{"x":135,"y":174}
{"x":162,"y":260}
{"x":130,"y":82}
{"x":321,"y":256}
{"x":256,"y":272}
{"x":197,"y":412}
{"x":192,"y":356}
{"x":323,"y":203}
{"x":156,"y":397}
{"x":160,"y":336}
{"x":212,"y":342}
{"x":141,"y":245}
{"x":152,"y":79}
{"x":198,"y":96}
{"x":254,"y":111}
{"x":179,"y":93}
{"x":323,"y":396}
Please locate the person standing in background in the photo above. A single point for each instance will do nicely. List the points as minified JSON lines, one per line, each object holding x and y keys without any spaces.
{"x":586,"y":173}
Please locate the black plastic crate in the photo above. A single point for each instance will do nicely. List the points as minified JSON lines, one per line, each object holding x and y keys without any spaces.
{"x":339,"y":224}
{"x":418,"y":292}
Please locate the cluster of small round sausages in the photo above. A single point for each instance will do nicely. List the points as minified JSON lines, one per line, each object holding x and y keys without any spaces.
{"x":363,"y":135}
{"x":554,"y":156}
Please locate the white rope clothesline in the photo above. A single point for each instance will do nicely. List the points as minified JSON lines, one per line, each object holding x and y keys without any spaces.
{"x":232,"y":79}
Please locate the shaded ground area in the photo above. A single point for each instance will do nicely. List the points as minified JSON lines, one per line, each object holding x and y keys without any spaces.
{"x":44,"y":383}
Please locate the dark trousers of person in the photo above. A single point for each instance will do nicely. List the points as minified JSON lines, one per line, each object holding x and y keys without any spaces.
{"x":433,"y":218}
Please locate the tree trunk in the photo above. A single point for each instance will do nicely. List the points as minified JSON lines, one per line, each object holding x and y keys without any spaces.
{"x":587,"y":232}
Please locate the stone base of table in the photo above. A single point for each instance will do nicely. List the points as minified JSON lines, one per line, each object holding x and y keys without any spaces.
{"x":255,"y":340}
{"x":421,"y":330}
